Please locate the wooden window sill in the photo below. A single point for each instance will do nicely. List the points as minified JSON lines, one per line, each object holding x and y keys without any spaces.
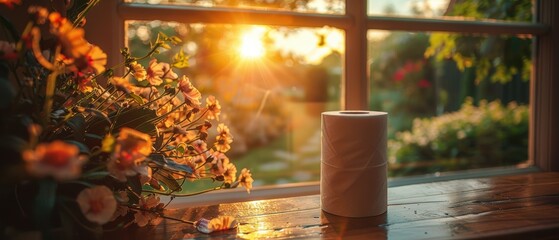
{"x":517,"y":206}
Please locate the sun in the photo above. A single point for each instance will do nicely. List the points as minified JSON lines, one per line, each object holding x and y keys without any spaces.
{"x":251,"y":45}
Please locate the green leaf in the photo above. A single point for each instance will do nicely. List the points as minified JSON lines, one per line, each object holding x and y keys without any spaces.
{"x":180,"y":60}
{"x":10,"y":27}
{"x":175,"y":39}
{"x":165,"y":45}
{"x":138,"y":118}
{"x":44,"y":204}
{"x":161,"y":161}
{"x":81,"y":146}
{"x":7,"y":93}
{"x":136,"y":98}
{"x":95,"y":175}
{"x":136,"y":187}
{"x":167,"y":179}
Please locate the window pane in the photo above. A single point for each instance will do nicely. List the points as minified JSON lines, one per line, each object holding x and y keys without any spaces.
{"x":455,"y":102}
{"x":272,"y":83}
{"x":513,"y":10}
{"x":309,"y":6}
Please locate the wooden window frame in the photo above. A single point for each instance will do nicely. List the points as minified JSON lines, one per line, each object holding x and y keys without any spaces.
{"x":109,"y":32}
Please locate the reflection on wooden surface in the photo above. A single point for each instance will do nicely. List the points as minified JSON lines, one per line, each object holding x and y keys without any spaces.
{"x":501,"y":207}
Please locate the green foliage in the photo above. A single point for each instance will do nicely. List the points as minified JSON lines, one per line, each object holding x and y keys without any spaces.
{"x":497,"y":58}
{"x":475,"y":136}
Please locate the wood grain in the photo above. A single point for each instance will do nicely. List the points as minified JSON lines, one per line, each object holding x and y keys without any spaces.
{"x":517,"y":207}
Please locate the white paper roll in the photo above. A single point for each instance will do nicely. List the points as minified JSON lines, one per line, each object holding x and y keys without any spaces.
{"x":353,"y":163}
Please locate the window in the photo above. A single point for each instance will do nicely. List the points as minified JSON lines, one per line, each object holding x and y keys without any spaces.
{"x":349,"y":65}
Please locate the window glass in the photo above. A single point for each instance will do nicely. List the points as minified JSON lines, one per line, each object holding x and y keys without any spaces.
{"x":272,"y":83}
{"x":455,"y":101}
{"x":309,"y":6}
{"x":511,"y":10}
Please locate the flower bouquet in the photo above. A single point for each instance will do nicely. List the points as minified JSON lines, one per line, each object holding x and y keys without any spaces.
{"x":85,"y":148}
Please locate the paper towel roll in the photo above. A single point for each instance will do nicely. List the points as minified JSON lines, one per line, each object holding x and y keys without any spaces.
{"x":353,"y":163}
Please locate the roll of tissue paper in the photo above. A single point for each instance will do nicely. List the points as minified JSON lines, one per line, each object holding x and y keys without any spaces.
{"x":353,"y":163}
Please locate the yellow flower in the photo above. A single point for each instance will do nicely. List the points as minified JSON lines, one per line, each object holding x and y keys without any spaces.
{"x":230,"y":173}
{"x":245,"y":179}
{"x":139,"y":71}
{"x":222,"y":143}
{"x":223,"y":130}
{"x":58,"y":159}
{"x":97,"y":204}
{"x":214,"y":109}
{"x":191,"y":95}
{"x":108,"y":143}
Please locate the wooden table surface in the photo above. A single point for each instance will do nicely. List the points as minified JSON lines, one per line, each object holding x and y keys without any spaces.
{"x":518,"y":207}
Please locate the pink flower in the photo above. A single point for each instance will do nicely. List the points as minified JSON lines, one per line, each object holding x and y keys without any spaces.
{"x":399,"y":75}
{"x":191,"y":94}
{"x":97,"y":204}
{"x":219,"y":163}
{"x":58,"y":159}
{"x":423,"y":83}
{"x":7,"y":51}
{"x":131,"y":149}
{"x":149,"y":205}
{"x":154,"y":73}
{"x":168,"y":71}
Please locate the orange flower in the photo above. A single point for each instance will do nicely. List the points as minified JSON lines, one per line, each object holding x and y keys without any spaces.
{"x":58,"y":159}
{"x":216,"y":224}
{"x":245,"y":179}
{"x":98,"y":204}
{"x":72,"y":39}
{"x":131,"y":149}
{"x":10,"y":3}
{"x":121,"y":84}
{"x":214,"y":109}
{"x":191,"y":95}
{"x":94,"y":59}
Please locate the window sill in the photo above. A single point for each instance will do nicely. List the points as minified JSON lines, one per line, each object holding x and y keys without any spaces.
{"x":310,"y":188}
{"x":515,"y":206}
